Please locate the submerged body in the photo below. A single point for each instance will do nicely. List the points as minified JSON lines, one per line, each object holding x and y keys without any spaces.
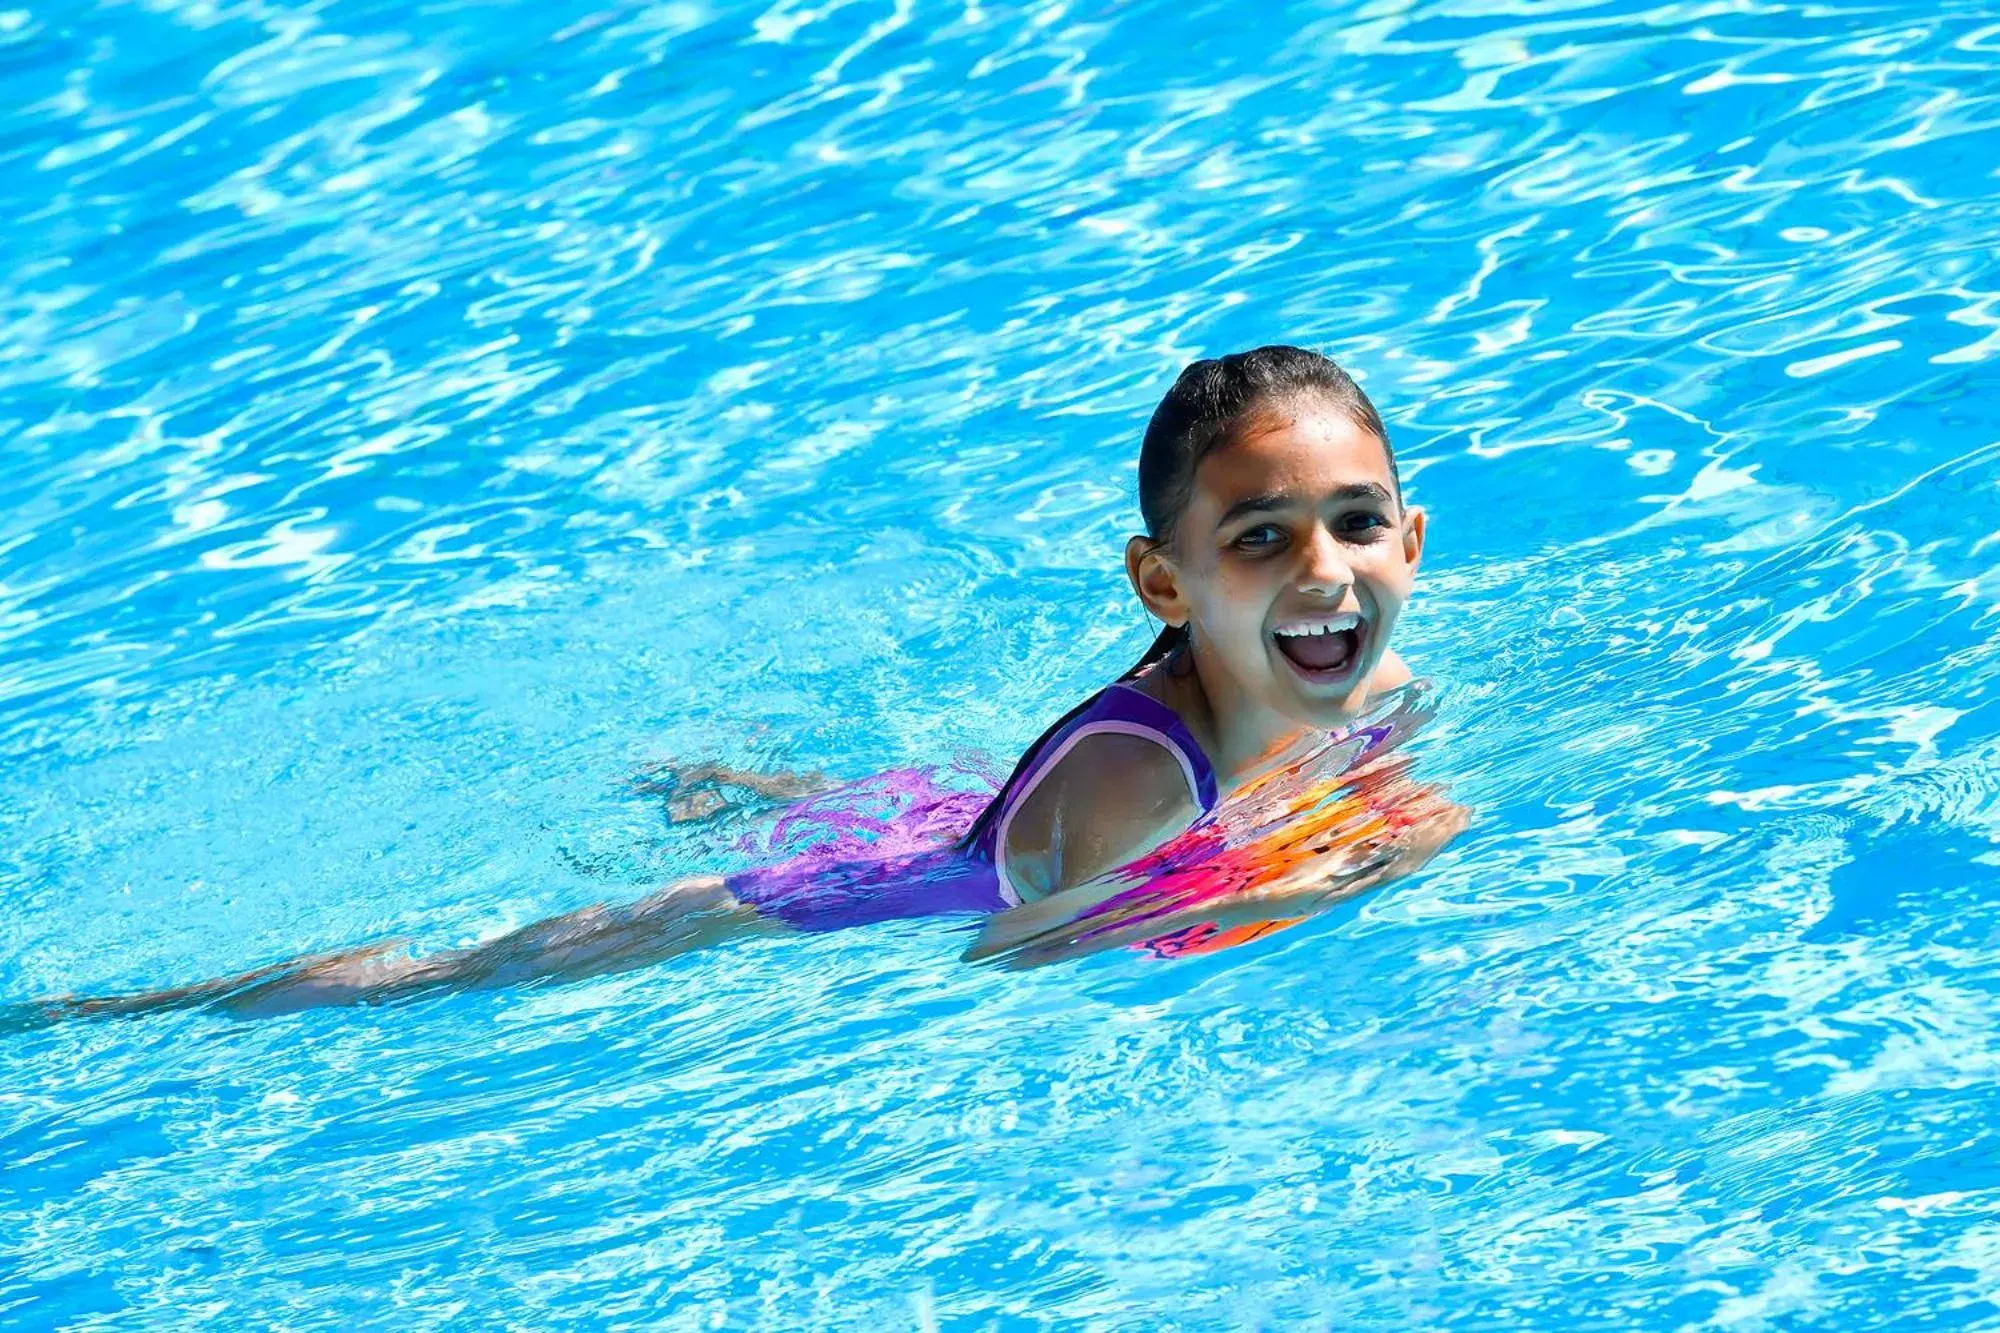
{"x":943,"y":853}
{"x":1279,"y":554}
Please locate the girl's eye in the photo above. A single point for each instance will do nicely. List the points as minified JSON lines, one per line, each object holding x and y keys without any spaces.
{"x":1362,"y":521}
{"x":1260,"y":538}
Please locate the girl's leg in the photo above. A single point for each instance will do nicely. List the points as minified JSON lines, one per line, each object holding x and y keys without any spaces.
{"x":592,"y":942}
{"x":196,"y":996}
{"x":695,"y":791}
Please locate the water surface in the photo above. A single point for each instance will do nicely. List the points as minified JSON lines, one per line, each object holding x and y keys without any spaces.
{"x":418,"y":415}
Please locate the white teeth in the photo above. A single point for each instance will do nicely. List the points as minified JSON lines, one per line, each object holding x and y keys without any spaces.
{"x":1300,"y":629}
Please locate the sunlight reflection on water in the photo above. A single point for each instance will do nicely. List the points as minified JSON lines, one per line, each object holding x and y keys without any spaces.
{"x":418,"y":415}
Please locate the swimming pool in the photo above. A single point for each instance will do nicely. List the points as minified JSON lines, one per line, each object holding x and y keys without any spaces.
{"x":419,"y":415}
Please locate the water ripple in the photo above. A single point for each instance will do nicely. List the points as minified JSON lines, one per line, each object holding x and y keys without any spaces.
{"x":420,"y":415}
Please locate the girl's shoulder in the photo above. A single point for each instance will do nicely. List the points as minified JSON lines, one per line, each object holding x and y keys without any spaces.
{"x":1392,"y":671}
{"x":1119,"y":777}
{"x":1110,"y":797}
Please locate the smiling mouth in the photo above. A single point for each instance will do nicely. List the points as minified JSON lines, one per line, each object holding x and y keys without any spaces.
{"x":1322,"y":649}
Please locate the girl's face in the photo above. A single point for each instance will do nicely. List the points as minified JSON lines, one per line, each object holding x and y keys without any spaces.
{"x":1290,"y":566}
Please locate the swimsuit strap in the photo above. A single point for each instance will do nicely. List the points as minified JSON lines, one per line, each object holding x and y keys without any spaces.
{"x":1129,"y":703}
{"x":1119,"y":709}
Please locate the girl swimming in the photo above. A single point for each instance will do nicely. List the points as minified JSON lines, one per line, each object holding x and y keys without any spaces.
{"x":1278,"y":553}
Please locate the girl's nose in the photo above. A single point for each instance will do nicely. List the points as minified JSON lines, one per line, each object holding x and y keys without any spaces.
{"x":1325,"y":570}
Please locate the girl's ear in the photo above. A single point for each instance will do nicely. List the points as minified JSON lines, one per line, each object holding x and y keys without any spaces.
{"x":1415,"y":522}
{"x":1155,"y":579}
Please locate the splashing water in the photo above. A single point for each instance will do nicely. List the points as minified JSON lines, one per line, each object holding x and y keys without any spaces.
{"x":421,"y":417}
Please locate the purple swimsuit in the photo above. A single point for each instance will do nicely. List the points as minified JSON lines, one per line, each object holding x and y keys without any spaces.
{"x":921,"y":859}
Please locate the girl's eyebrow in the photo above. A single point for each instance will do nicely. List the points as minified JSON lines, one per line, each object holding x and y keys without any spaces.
{"x":1363,"y":490}
{"x":1256,"y":504}
{"x":1259,"y":504}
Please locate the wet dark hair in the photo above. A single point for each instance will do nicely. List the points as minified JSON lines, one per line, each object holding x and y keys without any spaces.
{"x":1203,"y":412}
{"x":1206,"y":409}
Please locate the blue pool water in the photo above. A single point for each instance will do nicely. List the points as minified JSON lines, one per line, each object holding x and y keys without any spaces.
{"x":417,"y":415}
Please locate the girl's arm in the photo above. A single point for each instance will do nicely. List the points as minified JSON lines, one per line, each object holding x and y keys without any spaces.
{"x":1067,"y":926}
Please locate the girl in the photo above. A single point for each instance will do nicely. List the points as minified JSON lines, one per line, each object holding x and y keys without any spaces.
{"x":1278,"y":552}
